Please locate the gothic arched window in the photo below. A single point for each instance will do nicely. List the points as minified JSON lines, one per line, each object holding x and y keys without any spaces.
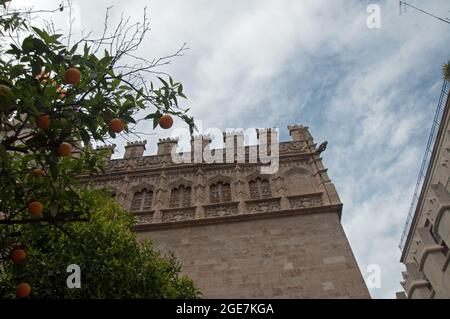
{"x":142,"y":200}
{"x":259,"y":188}
{"x":220,"y":192}
{"x":180,"y":196}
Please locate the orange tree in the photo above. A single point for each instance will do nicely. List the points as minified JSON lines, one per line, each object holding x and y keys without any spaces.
{"x":112,"y":263}
{"x":55,"y":100}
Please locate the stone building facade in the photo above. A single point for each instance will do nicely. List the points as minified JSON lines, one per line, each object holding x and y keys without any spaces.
{"x":426,"y":248}
{"x":238,"y":233}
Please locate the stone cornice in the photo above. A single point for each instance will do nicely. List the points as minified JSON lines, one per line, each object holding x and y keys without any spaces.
{"x":308,"y":195}
{"x":220,"y":204}
{"x":328,"y":209}
{"x":262,"y":200}
{"x":116,"y":172}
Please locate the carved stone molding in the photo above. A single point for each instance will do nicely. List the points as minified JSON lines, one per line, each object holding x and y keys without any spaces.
{"x":305,"y":201}
{"x":221,"y":210}
{"x":144,"y":217}
{"x":178,"y":214}
{"x":292,"y":147}
{"x":263,"y":205}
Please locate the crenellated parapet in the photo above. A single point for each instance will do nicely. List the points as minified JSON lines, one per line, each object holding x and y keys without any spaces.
{"x":233,"y":186}
{"x":234,"y":148}
{"x":135,"y":149}
{"x":106,"y":150}
{"x":166,"y":145}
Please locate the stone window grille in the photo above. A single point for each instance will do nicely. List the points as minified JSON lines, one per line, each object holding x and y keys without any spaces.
{"x":220,"y":193}
{"x":180,"y":197}
{"x":260,"y":188}
{"x":142,"y":201}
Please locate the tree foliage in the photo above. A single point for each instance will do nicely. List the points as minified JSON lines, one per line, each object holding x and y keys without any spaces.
{"x":446,"y":71}
{"x":113,"y":264}
{"x":40,"y":110}
{"x":49,"y":118}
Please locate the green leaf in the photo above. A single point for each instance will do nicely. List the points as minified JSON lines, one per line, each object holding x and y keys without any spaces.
{"x":139,"y":93}
{"x":74,"y":49}
{"x":157,"y":116}
{"x":28,"y":44}
{"x":14,"y":50}
{"x":128,"y":118}
{"x":58,"y":59}
{"x":53,"y":169}
{"x":85,"y":136}
{"x":155,"y":123}
{"x":115,"y":83}
{"x":163,"y":82}
{"x":54,"y":38}
{"x":53,"y":209}
{"x":40,"y":46}
{"x":86,"y":50}
{"x":36,"y":67}
{"x":42,"y":33}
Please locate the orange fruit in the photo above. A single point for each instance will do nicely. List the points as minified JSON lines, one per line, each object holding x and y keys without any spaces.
{"x":65,"y":149}
{"x":18,"y":255}
{"x":116,"y":125}
{"x":23,"y":290}
{"x":72,"y":76}
{"x":166,"y":121}
{"x":35,"y":208}
{"x":43,"y":121}
{"x":37,"y":172}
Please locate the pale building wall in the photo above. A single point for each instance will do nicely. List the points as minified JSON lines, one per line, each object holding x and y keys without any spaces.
{"x":289,"y":243}
{"x":297,"y":256}
{"x":429,"y":237}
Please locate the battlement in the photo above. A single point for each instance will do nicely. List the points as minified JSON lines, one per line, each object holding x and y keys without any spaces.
{"x":106,"y":150}
{"x":234,"y":146}
{"x":135,"y":149}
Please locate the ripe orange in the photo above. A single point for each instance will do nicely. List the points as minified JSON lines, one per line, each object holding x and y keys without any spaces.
{"x":166,"y":121}
{"x":18,"y":255}
{"x":116,"y":125}
{"x":72,"y":76}
{"x":43,"y":121}
{"x":35,"y":208}
{"x":23,"y":290}
{"x":37,"y":172}
{"x":65,"y":149}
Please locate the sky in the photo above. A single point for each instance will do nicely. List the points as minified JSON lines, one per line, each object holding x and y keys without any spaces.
{"x":370,"y":92}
